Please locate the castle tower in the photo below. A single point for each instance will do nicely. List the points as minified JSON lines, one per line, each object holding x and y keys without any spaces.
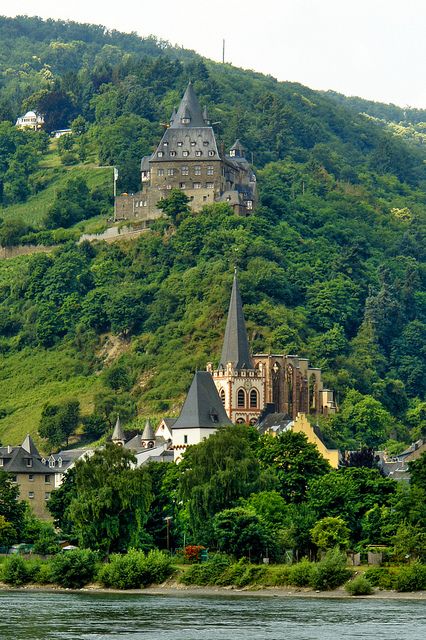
{"x":118,"y":436}
{"x":241,"y":385}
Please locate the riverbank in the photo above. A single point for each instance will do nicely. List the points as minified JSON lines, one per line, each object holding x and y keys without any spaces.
{"x":173,"y":588}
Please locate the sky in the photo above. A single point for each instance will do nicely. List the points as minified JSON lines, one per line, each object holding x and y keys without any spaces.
{"x":375,"y":49}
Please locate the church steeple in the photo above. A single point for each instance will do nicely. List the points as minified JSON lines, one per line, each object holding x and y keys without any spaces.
{"x":189,"y":113}
{"x":235,"y":345}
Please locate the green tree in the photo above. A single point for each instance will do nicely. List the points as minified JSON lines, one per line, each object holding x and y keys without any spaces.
{"x":240,"y":532}
{"x":175,"y":206}
{"x":294,"y":461}
{"x":11,"y":508}
{"x":417,"y":470}
{"x":331,"y":532}
{"x":111,"y":503}
{"x":59,"y":421}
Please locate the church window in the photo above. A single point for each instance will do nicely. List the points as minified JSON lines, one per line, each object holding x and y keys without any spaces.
{"x":253,"y":399}
{"x":240,"y":421}
{"x":241,"y":398}
{"x":185,"y":439}
{"x":197,"y":185}
{"x":212,"y":153}
{"x":160,"y":154}
{"x":210,"y":170}
{"x":170,"y":172}
{"x":209,"y":185}
{"x":197,"y":170}
{"x":160,"y":172}
{"x":198,"y":153}
{"x":172,"y":153}
{"x":185,"y":154}
{"x":185,"y":171}
{"x":222,"y":396}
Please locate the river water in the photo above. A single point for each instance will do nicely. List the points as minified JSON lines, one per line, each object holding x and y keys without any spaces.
{"x":99,"y":616}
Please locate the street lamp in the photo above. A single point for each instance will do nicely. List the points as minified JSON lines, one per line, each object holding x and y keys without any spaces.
{"x":167,"y":520}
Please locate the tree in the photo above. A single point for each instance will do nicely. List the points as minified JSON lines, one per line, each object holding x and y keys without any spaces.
{"x":331,"y":532}
{"x":175,"y":206}
{"x":111,"y":503}
{"x":8,"y":533}
{"x":294,"y":461}
{"x":59,"y":421}
{"x":11,"y":508}
{"x":240,"y":533}
{"x":417,"y":469}
{"x":215,"y":474}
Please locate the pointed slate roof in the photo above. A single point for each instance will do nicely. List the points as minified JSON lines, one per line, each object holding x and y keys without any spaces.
{"x":238,"y":147}
{"x":148,"y":432}
{"x":118,"y":433}
{"x":203,"y":407}
{"x":189,"y":108}
{"x":235,"y":344}
{"x":29,"y":446}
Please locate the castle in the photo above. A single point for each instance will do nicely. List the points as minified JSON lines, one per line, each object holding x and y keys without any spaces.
{"x":188,"y":158}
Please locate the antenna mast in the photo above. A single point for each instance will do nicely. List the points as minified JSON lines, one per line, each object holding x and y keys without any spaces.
{"x":223,"y":51}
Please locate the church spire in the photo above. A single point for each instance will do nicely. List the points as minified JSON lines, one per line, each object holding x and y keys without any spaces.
{"x":235,"y":345}
{"x":118,"y":436}
{"x":189,"y":113}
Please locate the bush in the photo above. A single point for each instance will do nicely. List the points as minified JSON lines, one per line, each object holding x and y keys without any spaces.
{"x":330,"y":572}
{"x":300,"y":573}
{"x":135,"y":569}
{"x":74,"y":569}
{"x":380,"y":577}
{"x":359,"y":586}
{"x":241,"y":574}
{"x":16,"y":571}
{"x":44,"y":574}
{"x":208,"y":573}
{"x":411,"y":578}
{"x":192,"y":552}
{"x":281,"y":577}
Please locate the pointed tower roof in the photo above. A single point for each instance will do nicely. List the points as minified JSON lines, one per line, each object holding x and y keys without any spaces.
{"x":235,"y":344}
{"x":189,"y":108}
{"x":148,"y":432}
{"x":203,"y":407}
{"x":238,"y":146}
{"x":173,"y":116}
{"x":118,"y":433}
{"x":29,"y":446}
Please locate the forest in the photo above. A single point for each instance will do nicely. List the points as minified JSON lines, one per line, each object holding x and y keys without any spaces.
{"x":331,"y":263}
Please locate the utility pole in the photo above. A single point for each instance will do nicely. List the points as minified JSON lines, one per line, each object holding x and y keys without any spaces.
{"x":115,"y":193}
{"x":223,"y":51}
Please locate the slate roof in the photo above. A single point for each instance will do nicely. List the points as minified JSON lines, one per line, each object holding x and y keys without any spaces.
{"x":238,"y":147}
{"x":192,"y":143}
{"x":189,"y":108}
{"x":276,"y":422}
{"x":203,"y":407}
{"x":235,"y":344}
{"x":148,"y":432}
{"x":118,"y":433}
{"x":16,"y":459}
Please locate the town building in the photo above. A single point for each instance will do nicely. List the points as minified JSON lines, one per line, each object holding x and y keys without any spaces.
{"x":248,"y":385}
{"x":30,"y":120}
{"x":188,"y":158}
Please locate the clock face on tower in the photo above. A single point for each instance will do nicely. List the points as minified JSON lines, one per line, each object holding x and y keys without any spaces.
{"x":247,"y":385}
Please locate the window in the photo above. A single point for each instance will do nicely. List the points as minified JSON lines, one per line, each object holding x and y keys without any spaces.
{"x":169,"y":186}
{"x":31,"y":477}
{"x":212,"y":153}
{"x":222,"y":396}
{"x":241,"y":398}
{"x":47,"y":495}
{"x":14,"y":478}
{"x":185,"y":171}
{"x":185,"y":154}
{"x":160,"y":154}
{"x":193,"y":143}
{"x":170,"y":172}
{"x":197,"y":170}
{"x":232,"y":153}
{"x":29,"y":462}
{"x":160,"y":172}
{"x":179,"y":144}
{"x":209,"y":185}
{"x":1,"y":462}
{"x":47,"y":478}
{"x":185,"y":439}
{"x":165,"y":144}
{"x":206,"y":143}
{"x":198,"y":153}
{"x":172,"y":153}
{"x":210,"y":170}
{"x":51,"y":462}
{"x":197,"y":185}
{"x":182,"y":185}
{"x":253,"y":399}
{"x":31,"y":494}
{"x":185,"y":120}
{"x":249,"y":204}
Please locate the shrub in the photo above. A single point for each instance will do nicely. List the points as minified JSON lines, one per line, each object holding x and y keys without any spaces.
{"x":207,"y":573}
{"x":359,"y":586}
{"x":16,"y":571}
{"x":330,"y":572}
{"x":44,"y":574}
{"x":241,"y":574}
{"x":135,"y":569}
{"x":74,"y":569}
{"x":380,"y":577}
{"x":300,"y":573}
{"x":282,"y":577}
{"x":192,"y":552}
{"x":411,"y":578}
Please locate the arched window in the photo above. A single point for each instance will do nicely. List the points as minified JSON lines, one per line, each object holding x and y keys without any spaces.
{"x":241,"y":398}
{"x":253,"y":399}
{"x":240,"y":421}
{"x":222,"y":396}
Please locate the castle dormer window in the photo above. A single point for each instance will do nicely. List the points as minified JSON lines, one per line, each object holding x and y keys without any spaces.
{"x":206,"y":143}
{"x":185,"y":120}
{"x":165,"y":144}
{"x":185,"y":154}
{"x":179,"y":144}
{"x":29,"y":462}
{"x":172,"y":153}
{"x":198,"y":153}
{"x":160,"y":154}
{"x":185,"y":171}
{"x":193,"y":143}
{"x":212,"y":153}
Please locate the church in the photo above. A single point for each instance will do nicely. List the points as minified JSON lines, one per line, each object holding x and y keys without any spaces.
{"x":188,"y":158}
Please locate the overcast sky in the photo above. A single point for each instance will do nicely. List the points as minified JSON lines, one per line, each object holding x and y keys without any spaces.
{"x":375,"y":49}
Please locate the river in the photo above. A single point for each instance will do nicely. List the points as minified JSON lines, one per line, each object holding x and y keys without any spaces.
{"x":100,"y":616}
